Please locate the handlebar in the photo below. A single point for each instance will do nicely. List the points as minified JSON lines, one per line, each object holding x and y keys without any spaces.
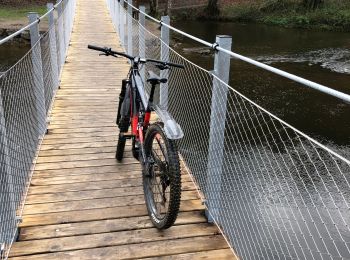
{"x":167,"y":63}
{"x":110,"y":52}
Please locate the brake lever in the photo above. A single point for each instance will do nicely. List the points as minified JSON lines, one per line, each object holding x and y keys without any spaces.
{"x":108,"y":54}
{"x":163,"y":67}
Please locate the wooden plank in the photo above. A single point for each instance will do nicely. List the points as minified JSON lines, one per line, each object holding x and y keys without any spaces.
{"x":44,"y":181}
{"x":76,"y":145}
{"x":85,"y":186}
{"x":103,"y":226}
{"x":98,"y":214}
{"x":110,"y":138}
{"x":91,"y":129}
{"x":121,"y":168}
{"x":221,"y":254}
{"x":69,"y":135}
{"x":142,"y":250}
{"x":72,"y":205}
{"x":89,"y":174}
{"x":83,"y":195}
{"x":80,"y":164}
{"x":81,"y":124}
{"x":111,"y":239}
{"x":82,"y":151}
{"x":98,"y":185}
{"x":86,"y":195}
{"x":78,"y":157}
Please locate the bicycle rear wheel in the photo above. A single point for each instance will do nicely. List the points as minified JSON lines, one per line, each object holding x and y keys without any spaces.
{"x":161,"y":178}
{"x":119,"y":154}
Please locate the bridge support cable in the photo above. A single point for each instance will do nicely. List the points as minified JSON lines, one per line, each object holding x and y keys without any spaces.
{"x":27,"y":91}
{"x":275,"y":192}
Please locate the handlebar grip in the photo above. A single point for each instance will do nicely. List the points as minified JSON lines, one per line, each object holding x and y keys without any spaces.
{"x":96,"y":48}
{"x":175,"y":65}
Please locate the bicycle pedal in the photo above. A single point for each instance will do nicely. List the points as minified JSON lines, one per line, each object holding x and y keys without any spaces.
{"x":127,"y":135}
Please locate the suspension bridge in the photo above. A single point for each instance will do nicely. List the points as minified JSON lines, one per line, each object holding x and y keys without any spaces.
{"x":253,"y":187}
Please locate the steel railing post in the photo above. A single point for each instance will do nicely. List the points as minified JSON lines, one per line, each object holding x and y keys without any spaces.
{"x":67,"y":17}
{"x":130,"y":28}
{"x":70,"y":15}
{"x":52,"y":44}
{"x":142,"y":45}
{"x":119,"y":18}
{"x":164,"y":53}
{"x":217,"y":128}
{"x":63,"y":6}
{"x":7,"y":194}
{"x":60,"y":36}
{"x":116,"y":15}
{"x":38,"y":76}
{"x":122,"y":24}
{"x":112,"y":12}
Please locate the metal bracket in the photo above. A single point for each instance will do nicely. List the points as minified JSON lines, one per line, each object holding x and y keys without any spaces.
{"x":206,"y":211}
{"x":19,"y":219}
{"x":2,"y":250}
{"x":215,"y":46}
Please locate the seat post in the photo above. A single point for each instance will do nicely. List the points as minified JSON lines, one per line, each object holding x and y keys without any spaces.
{"x":150,"y":100}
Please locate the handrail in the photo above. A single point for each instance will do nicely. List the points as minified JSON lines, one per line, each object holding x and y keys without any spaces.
{"x":327,"y":90}
{"x":6,"y":39}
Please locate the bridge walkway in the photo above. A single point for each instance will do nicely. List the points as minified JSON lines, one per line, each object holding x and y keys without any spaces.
{"x":82,"y":204}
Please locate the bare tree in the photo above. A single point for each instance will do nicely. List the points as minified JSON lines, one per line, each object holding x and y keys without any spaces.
{"x":212,"y":8}
{"x":168,"y":7}
{"x":312,"y":4}
{"x":153,"y":6}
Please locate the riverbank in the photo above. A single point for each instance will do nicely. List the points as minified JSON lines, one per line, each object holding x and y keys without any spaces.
{"x":13,"y":18}
{"x":331,"y":15}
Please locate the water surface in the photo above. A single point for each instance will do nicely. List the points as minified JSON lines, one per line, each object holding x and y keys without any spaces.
{"x":323,"y":57}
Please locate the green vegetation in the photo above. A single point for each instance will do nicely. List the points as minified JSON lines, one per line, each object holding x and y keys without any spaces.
{"x":329,"y":15}
{"x":15,"y":13}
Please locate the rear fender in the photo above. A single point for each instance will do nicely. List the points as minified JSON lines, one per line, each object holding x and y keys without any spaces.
{"x":172,"y":129}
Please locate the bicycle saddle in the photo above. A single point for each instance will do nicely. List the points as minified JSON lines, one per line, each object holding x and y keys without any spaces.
{"x":154,"y":79}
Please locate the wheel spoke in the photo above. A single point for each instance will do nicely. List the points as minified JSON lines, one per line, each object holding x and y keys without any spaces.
{"x":159,"y":182}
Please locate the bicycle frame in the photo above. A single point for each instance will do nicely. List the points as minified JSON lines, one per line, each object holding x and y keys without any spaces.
{"x":141,"y":108}
{"x":146,"y":106}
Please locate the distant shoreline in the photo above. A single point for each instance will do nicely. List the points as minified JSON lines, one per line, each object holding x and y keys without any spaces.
{"x":13,"y":18}
{"x":330,"y":16}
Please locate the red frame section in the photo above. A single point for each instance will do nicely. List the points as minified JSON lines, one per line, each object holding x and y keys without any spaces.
{"x":134,"y":125}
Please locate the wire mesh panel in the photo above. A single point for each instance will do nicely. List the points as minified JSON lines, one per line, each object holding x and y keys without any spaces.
{"x":277,"y":193}
{"x":27,"y":90}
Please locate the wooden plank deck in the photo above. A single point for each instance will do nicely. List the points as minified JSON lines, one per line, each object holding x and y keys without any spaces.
{"x":82,"y":204}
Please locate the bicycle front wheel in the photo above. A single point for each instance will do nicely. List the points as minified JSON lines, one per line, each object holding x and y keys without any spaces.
{"x":161,"y":178}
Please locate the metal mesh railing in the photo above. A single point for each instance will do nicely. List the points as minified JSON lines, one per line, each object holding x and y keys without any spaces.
{"x":27,"y":90}
{"x":274,"y":192}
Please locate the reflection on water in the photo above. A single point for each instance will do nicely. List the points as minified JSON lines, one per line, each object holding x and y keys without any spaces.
{"x":334,"y":59}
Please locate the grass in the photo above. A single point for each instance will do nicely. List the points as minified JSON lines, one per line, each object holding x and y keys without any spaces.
{"x":332,"y":15}
{"x":14,"y":13}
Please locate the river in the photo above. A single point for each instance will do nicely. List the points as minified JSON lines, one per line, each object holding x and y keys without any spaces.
{"x":323,"y":57}
{"x":11,"y":53}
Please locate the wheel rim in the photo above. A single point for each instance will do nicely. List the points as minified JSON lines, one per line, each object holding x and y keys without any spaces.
{"x":158,"y":179}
